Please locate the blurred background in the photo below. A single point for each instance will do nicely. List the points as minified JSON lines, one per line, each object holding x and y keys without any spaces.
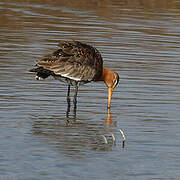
{"x":139,"y":39}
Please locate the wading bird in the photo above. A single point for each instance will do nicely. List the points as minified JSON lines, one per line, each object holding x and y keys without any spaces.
{"x":76,"y":63}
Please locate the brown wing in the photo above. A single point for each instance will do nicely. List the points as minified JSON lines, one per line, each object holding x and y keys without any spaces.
{"x":74,"y":60}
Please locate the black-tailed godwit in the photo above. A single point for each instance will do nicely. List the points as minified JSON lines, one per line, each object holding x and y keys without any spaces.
{"x":76,"y":63}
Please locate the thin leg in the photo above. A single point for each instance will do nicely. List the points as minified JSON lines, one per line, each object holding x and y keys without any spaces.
{"x":75,"y":95}
{"x":68,"y":94}
{"x":68,"y":101}
{"x":68,"y":109}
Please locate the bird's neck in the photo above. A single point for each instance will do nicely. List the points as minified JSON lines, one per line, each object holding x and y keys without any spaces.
{"x":106,"y":76}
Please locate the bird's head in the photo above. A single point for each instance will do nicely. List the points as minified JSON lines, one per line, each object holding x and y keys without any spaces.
{"x":111,"y":79}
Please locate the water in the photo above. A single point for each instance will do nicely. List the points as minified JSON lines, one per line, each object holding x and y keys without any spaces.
{"x":137,"y":39}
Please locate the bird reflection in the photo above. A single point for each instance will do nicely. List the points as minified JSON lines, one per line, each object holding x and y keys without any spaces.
{"x":108,"y":121}
{"x":77,"y":136}
{"x":68,"y":118}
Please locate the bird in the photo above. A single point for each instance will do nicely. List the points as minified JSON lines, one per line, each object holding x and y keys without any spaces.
{"x":76,"y":63}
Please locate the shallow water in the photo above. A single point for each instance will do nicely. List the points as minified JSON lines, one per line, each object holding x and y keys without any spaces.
{"x":140,"y":41}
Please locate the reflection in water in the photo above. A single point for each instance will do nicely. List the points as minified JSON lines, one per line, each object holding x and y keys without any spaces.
{"x":108,"y":121}
{"x":74,"y":136}
{"x":69,"y":109}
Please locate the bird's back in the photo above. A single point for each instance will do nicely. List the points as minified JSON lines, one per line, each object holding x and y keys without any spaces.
{"x":73,"y":60}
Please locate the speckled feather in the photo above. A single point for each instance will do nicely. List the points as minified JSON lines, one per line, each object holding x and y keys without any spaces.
{"x":73,"y":60}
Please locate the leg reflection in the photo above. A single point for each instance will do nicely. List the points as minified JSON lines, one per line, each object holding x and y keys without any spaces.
{"x":73,"y":116}
{"x":68,"y":108}
{"x":74,"y":112}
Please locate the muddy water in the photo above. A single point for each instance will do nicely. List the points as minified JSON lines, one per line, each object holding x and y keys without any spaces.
{"x":137,"y":39}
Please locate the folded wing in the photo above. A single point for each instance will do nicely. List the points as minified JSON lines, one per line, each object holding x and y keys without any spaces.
{"x":74,"y":60}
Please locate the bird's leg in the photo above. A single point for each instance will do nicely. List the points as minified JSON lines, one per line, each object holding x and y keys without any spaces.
{"x":68,"y":102}
{"x":75,"y":95}
{"x":68,"y":94}
{"x":68,"y":110}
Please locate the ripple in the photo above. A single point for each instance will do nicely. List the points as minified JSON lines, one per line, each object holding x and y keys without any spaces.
{"x":41,"y":139}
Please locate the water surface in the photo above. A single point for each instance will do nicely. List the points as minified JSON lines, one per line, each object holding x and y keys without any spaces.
{"x":140,"y":41}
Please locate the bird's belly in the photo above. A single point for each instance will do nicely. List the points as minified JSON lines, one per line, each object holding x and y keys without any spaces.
{"x":60,"y":78}
{"x":69,"y":81}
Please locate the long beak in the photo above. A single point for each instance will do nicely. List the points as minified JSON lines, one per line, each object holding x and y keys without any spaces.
{"x":110,"y":92}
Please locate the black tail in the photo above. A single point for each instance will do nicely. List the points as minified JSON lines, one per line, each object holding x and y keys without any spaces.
{"x":41,"y":72}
